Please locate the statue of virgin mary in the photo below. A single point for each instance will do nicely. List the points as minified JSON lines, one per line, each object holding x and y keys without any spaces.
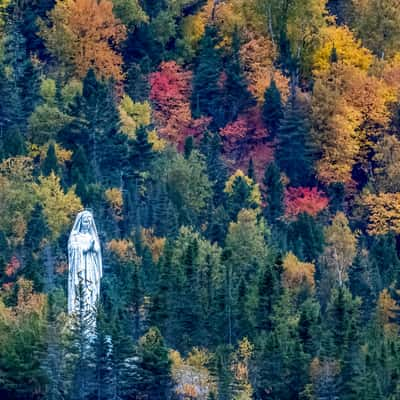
{"x":85,"y":265}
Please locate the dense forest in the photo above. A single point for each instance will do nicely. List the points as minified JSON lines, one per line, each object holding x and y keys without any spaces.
{"x":242,"y":162}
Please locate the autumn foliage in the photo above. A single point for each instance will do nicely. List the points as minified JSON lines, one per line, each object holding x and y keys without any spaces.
{"x":83,"y":34}
{"x":245,"y":138}
{"x":170,"y":93}
{"x":304,"y":200}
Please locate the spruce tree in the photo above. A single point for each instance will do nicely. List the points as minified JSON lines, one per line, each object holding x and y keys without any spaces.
{"x":272,"y":111}
{"x":251,"y":173}
{"x":141,"y":152}
{"x":293,"y":151}
{"x":154,"y":366}
{"x":274,"y":194}
{"x":236,"y":97}
{"x":50,"y":163}
{"x":206,"y":76}
{"x":189,"y":146}
{"x":217,"y":172}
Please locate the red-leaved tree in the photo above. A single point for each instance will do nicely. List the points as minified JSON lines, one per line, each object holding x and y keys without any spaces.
{"x":300,"y":200}
{"x":245,"y":138}
{"x":170,"y":90}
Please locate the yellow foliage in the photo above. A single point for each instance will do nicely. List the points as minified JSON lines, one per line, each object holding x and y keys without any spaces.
{"x":154,"y":243}
{"x":62,"y":154}
{"x":231,"y":15}
{"x":255,"y":195}
{"x":348,"y":49}
{"x":114,"y":199}
{"x":133,"y":115}
{"x":59,"y":208}
{"x":344,"y":100}
{"x":158,"y":143}
{"x":193,"y":28}
{"x":124,"y":249}
{"x":295,"y":272}
{"x":387,"y":310}
{"x":83,"y":35}
{"x":384,"y":213}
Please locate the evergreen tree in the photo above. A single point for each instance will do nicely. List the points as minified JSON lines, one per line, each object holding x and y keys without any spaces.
{"x":384,"y":258}
{"x":50,"y":163}
{"x":216,"y":169}
{"x":141,"y":152}
{"x":11,"y":139}
{"x":305,"y":238}
{"x":293,"y":151}
{"x":274,"y":194}
{"x":206,"y":76}
{"x":236,"y":98}
{"x":154,"y":366}
{"x":189,"y":145}
{"x":37,"y":230}
{"x":269,"y":290}
{"x":251,"y":173}
{"x":272,"y":111}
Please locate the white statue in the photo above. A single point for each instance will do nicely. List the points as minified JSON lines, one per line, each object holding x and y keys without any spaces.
{"x":85,"y":265}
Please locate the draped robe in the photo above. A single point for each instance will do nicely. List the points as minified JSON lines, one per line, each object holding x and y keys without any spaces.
{"x":85,"y":265}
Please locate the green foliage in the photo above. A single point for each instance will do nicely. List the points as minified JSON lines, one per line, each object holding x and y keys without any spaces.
{"x":272,"y":108}
{"x":209,"y":288}
{"x":273,"y":193}
{"x":293,"y":152}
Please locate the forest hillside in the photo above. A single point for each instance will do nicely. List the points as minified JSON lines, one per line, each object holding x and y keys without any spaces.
{"x":241,"y":159}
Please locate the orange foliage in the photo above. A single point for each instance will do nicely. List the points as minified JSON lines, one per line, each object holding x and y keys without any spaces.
{"x":257,"y":56}
{"x":83,"y":35}
{"x":170,"y":93}
{"x":123,"y":249}
{"x":154,"y":243}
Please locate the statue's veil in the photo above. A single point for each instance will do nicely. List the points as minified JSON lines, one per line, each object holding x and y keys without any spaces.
{"x":92,"y":231}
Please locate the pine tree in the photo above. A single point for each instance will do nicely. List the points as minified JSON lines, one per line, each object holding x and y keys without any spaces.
{"x":154,"y":366}
{"x":236,"y":98}
{"x":269,"y":289}
{"x":141,"y":152}
{"x":50,"y":163}
{"x":305,"y":238}
{"x":272,"y":111}
{"x":216,"y":169}
{"x":188,"y":147}
{"x":189,"y":311}
{"x":274,"y":194}
{"x":106,"y":144}
{"x":11,"y":139}
{"x":251,"y":173}
{"x":205,"y":92}
{"x":37,"y":230}
{"x":293,"y":151}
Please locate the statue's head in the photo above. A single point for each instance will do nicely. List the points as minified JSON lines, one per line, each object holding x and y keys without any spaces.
{"x":84,"y":223}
